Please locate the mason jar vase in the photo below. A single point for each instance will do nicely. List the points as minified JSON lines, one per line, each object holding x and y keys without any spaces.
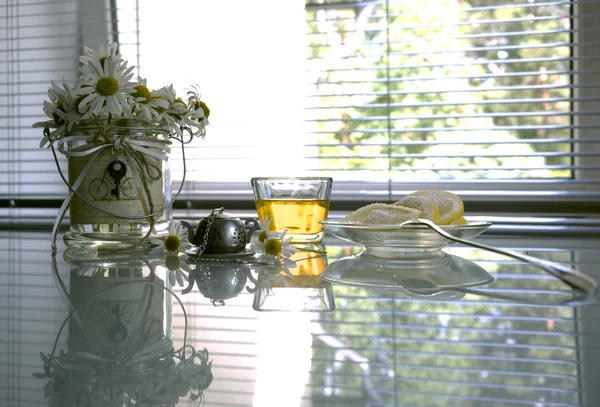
{"x":115,"y":215}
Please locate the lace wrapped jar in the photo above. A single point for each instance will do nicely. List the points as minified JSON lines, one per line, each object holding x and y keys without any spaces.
{"x":120,"y":173}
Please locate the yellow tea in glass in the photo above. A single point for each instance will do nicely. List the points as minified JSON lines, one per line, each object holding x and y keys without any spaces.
{"x":295,"y":204}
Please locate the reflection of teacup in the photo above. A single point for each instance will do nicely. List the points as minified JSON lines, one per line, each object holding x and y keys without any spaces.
{"x":313,"y":298}
{"x":307,"y":270}
{"x":300,"y":289}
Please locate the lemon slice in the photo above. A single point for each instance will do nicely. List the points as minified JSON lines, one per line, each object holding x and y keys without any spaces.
{"x":450,"y":205}
{"x":428,"y":208}
{"x":381,"y":214}
{"x":459,"y":221}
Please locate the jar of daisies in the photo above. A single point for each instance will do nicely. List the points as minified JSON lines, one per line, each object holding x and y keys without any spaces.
{"x":121,"y":192}
{"x":116,"y":133}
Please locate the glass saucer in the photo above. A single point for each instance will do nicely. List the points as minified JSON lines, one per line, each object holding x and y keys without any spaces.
{"x":420,"y":273}
{"x":393,"y":241}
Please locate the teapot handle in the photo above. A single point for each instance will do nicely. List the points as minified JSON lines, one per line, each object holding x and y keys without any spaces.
{"x":254,"y":228}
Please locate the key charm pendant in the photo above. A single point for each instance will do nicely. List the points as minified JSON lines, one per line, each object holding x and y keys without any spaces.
{"x":117,"y":170}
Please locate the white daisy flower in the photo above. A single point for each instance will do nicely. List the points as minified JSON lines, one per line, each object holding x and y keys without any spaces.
{"x":199,"y":112}
{"x":105,"y":85}
{"x":175,"y":242}
{"x":145,"y":103}
{"x":104,"y":51}
{"x":176,"y":110}
{"x":62,"y":109}
{"x":272,"y":246}
{"x":265,"y":225}
{"x":278,"y":245}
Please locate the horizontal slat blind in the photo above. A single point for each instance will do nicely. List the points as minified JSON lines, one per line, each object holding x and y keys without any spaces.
{"x":40,"y":41}
{"x":384,"y":96}
{"x":432,"y":73}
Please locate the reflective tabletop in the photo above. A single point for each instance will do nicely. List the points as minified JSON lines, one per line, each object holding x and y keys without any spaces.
{"x":337,"y":327}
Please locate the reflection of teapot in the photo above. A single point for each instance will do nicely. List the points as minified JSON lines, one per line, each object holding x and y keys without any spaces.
{"x":219,"y":282}
{"x":227,"y":234}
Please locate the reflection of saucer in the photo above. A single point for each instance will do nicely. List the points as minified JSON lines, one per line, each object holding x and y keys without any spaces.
{"x":193,"y":252}
{"x":443,"y":272}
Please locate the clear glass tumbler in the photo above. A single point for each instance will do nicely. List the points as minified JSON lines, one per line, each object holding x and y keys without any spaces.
{"x":297,"y":204}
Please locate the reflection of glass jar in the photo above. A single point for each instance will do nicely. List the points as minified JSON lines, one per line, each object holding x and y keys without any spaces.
{"x":143,"y":187}
{"x":119,"y":346}
{"x":120,"y":303}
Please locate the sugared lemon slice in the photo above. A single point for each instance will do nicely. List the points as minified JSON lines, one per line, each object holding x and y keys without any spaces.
{"x":450,"y":205}
{"x":381,"y":214}
{"x":459,"y":221}
{"x":428,"y":208}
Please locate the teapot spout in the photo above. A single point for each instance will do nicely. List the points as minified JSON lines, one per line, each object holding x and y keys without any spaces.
{"x":190,"y":230}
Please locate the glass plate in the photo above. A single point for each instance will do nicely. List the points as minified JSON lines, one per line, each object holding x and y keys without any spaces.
{"x":417,"y":275}
{"x":394,"y":240}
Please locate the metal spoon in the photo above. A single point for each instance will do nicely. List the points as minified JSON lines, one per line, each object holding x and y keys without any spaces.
{"x":575,"y":279}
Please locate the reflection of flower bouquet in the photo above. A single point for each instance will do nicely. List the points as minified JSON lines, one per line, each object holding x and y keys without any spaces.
{"x":83,"y":380}
{"x":118,"y":353}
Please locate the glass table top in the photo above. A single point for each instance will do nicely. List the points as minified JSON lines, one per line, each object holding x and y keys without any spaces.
{"x":470,"y":328}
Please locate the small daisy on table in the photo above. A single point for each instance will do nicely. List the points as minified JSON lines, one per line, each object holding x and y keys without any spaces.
{"x":272,"y":246}
{"x":175,"y":242}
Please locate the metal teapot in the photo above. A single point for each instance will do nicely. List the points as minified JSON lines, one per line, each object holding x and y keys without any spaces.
{"x":222,"y":233}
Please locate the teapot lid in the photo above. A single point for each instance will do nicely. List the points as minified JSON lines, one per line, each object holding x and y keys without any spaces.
{"x":225,"y":215}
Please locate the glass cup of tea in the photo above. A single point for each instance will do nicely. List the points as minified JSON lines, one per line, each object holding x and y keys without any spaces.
{"x":297,"y":204}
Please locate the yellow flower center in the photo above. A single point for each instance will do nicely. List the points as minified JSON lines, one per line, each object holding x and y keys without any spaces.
{"x":263,"y":236}
{"x":273,"y":247}
{"x":142,"y":92}
{"x":172,"y":263}
{"x":107,"y":86}
{"x":200,"y":104}
{"x":172,"y":243}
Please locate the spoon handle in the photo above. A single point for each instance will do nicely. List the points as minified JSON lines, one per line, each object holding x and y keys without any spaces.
{"x":571,"y":277}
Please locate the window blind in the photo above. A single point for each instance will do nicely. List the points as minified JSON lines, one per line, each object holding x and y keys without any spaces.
{"x":494,"y":100}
